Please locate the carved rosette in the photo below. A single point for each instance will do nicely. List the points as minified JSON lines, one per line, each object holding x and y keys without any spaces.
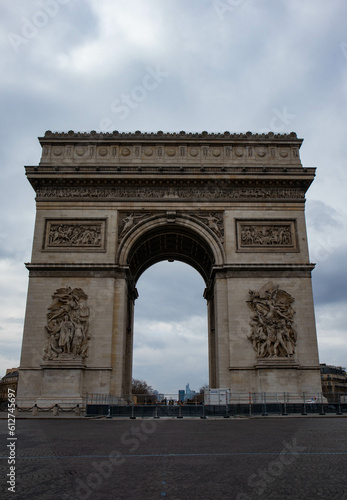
{"x":67,"y":326}
{"x":272,"y":331}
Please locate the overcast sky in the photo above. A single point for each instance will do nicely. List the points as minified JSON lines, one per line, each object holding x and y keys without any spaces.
{"x":234,"y":65}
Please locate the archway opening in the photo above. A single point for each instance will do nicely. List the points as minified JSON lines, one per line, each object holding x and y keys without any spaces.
{"x":171,"y":242}
{"x":170,"y":239}
{"x":170,"y":331}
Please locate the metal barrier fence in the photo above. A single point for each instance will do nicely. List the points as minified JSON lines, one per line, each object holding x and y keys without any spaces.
{"x":160,"y":405}
{"x":251,"y":404}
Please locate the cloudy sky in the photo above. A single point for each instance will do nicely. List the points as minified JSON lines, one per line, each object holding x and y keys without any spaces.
{"x":234,"y":65}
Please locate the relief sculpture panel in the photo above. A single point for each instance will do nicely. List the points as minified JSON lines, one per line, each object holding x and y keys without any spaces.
{"x":67,"y":328}
{"x":272,"y":331}
{"x":72,"y":235}
{"x":266,"y":236}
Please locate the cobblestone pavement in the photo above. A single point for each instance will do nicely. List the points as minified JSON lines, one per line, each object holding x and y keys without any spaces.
{"x":236,"y":459}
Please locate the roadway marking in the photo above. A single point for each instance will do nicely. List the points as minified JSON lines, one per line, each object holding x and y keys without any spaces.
{"x":168,"y":455}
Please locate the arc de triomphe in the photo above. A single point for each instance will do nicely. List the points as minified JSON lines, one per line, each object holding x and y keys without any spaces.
{"x":111,"y":205}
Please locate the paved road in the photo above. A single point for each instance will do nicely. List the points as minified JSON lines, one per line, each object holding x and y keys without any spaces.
{"x":236,"y":459}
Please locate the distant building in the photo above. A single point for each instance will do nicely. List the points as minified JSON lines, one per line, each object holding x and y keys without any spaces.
{"x":159,"y":397}
{"x":181,"y":395}
{"x":8,"y":381}
{"x":186,"y":395}
{"x":334,"y":382}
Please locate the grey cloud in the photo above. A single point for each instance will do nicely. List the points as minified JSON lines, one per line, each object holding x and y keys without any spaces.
{"x":61,"y":28}
{"x":10,"y":348}
{"x":330,"y":320}
{"x":169,"y":291}
{"x":225,"y":74}
{"x":153,"y":344}
{"x":333,"y":355}
{"x":14,"y":320}
{"x":330,"y":278}
{"x":321,"y":216}
{"x":5,"y":254}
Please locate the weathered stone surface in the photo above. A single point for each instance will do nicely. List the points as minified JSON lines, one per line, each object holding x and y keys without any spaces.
{"x":110,"y":205}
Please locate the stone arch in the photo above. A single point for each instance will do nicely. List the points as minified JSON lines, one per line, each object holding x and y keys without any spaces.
{"x":166,"y":237}
{"x":161,"y":238}
{"x":196,"y":197}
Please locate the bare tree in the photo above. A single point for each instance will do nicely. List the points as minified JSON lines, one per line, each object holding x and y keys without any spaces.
{"x":141,"y":387}
{"x":142,"y":391}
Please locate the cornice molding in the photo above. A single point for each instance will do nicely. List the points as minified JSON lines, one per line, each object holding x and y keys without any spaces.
{"x":171,"y":136}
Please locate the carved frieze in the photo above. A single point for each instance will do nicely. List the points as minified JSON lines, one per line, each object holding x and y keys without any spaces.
{"x":165,"y":193}
{"x":272,"y":331}
{"x":67,"y":328}
{"x":75,"y":235}
{"x":266,"y":236}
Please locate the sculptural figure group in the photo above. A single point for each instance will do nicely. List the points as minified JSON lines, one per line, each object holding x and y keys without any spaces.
{"x":74,"y":235}
{"x":273,"y":334}
{"x":266,"y":235}
{"x":67,"y":325}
